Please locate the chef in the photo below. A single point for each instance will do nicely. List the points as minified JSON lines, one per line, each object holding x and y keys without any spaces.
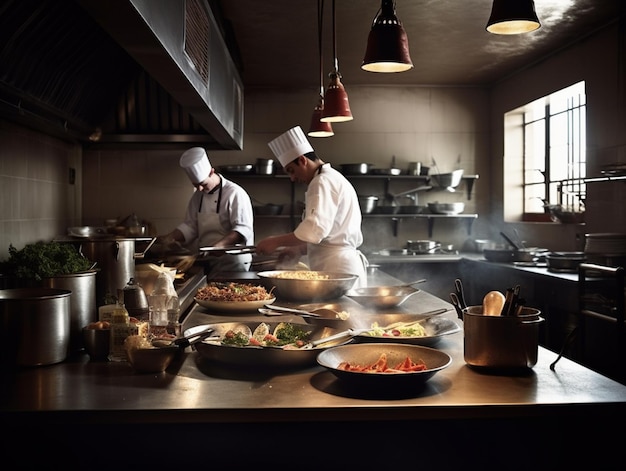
{"x":219,"y":214}
{"x":330,"y":231}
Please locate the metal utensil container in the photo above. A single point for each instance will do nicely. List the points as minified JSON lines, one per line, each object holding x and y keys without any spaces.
{"x":501,"y":342}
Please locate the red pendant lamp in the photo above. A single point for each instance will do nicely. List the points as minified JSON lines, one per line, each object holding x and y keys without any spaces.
{"x":387,"y":44}
{"x":336,"y":105}
{"x":320,"y":128}
{"x":512,"y":17}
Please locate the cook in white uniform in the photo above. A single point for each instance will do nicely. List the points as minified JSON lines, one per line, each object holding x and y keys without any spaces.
{"x":219,"y":214}
{"x":330,"y":230}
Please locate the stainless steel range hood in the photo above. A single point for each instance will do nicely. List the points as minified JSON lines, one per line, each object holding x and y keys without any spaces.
{"x":120,"y":72}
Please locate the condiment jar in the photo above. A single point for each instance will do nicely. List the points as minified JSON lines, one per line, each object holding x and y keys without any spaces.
{"x":121,"y":327}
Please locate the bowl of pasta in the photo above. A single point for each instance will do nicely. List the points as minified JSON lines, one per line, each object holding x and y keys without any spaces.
{"x":307,"y":285}
{"x":388,"y":366}
{"x":233,"y":297}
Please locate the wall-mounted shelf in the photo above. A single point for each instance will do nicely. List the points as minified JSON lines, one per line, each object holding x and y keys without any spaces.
{"x":424,"y":179}
{"x":387,"y":179}
{"x":396,"y":218}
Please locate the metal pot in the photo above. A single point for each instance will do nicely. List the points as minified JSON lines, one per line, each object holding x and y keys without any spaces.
{"x":116,"y":260}
{"x":264,"y":166}
{"x":422,"y":246}
{"x":34,"y":326}
{"x":501,"y":342}
{"x":355,"y":169}
{"x":368,"y":203}
{"x":82,"y":302}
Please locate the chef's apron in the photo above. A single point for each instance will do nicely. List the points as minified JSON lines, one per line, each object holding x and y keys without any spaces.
{"x":210,"y":230}
{"x":339,"y":260}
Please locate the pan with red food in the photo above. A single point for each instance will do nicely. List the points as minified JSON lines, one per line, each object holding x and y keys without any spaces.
{"x":389,"y":366}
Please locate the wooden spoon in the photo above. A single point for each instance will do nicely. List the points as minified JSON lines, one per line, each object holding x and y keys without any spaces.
{"x":493,"y":302}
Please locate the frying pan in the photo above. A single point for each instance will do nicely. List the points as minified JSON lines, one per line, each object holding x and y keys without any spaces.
{"x":270,"y":358}
{"x":382,"y":297}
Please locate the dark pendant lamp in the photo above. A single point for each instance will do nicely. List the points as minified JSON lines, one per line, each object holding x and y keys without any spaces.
{"x":320,"y":128}
{"x":513,"y":17}
{"x":387,"y":44}
{"x":336,"y":105}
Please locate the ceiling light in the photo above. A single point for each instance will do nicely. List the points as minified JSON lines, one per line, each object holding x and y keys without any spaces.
{"x":387,"y":44}
{"x":319,"y":128}
{"x":336,"y":106}
{"x":513,"y":17}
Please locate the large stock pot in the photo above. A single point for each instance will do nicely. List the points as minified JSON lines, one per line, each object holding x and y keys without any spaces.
{"x":115,"y":258}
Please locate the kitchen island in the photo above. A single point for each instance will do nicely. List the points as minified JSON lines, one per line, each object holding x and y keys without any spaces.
{"x":208,"y":415}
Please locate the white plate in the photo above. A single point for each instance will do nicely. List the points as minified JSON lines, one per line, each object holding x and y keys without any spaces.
{"x":233,"y":306}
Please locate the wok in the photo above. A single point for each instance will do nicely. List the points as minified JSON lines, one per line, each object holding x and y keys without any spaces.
{"x":307,"y":290}
{"x":381,"y":297}
{"x":253,"y":357}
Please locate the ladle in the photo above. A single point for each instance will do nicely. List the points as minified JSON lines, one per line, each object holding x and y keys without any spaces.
{"x":493,"y":302}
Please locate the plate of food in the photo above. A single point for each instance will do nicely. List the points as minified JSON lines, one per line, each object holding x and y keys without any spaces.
{"x":269,"y":345}
{"x":384,"y":366}
{"x":233,"y":297}
{"x":427,"y":332}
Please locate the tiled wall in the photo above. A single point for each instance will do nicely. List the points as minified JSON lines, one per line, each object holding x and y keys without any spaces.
{"x":37,"y":201}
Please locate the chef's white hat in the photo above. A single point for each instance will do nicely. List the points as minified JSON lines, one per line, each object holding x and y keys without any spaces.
{"x":290,"y":145}
{"x":196,"y":164}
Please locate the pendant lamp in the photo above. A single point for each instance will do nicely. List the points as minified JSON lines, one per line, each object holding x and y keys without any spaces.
{"x":320,"y":128}
{"x":336,"y":105}
{"x":513,"y":17}
{"x":387,"y":44}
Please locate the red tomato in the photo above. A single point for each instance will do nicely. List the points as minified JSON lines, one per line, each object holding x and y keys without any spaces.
{"x":253,"y":341}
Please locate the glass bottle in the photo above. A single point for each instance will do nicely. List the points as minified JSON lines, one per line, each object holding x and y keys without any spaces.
{"x":121,"y":328}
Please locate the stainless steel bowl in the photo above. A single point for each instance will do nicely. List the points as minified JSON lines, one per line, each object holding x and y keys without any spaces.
{"x":299,"y":289}
{"x":447,"y":180}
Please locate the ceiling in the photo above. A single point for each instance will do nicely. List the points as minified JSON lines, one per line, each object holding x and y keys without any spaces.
{"x":278,"y":42}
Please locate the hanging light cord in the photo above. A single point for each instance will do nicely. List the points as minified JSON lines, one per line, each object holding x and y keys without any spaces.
{"x":320,"y":16}
{"x":335,"y":42}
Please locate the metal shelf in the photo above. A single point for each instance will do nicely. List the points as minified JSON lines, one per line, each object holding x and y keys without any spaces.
{"x":396,"y":218}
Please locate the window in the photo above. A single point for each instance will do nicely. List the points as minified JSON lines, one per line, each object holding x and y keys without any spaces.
{"x":545,"y":149}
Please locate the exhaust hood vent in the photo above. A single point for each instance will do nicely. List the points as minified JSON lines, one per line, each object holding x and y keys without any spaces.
{"x":104,"y":73}
{"x":197,"y":38}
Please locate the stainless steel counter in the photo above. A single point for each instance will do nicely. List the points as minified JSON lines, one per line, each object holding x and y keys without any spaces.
{"x":211,"y":409}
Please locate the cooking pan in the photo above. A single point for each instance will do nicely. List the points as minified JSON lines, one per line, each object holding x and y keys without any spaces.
{"x":564,"y":261}
{"x":355,"y":169}
{"x":422,"y":246}
{"x":382,"y":297}
{"x":253,"y":357}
